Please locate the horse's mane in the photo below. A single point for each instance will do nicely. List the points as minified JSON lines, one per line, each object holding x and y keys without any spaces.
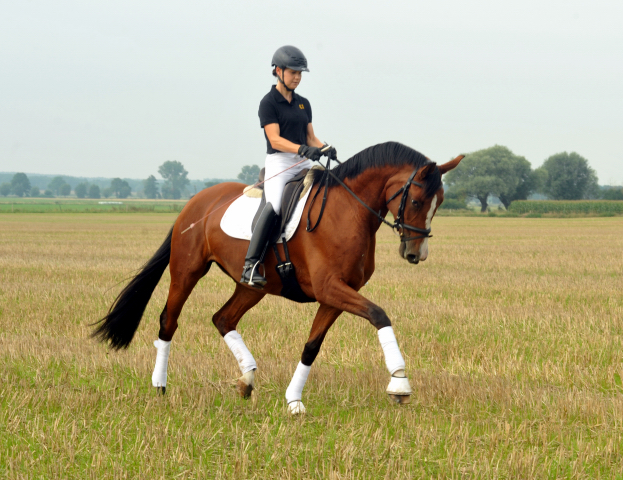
{"x":382,"y":155}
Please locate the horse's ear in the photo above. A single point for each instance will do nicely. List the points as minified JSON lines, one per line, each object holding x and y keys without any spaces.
{"x":427,"y":170}
{"x":446,"y":167}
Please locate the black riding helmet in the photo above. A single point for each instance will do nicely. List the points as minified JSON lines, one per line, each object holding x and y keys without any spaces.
{"x":289,"y":57}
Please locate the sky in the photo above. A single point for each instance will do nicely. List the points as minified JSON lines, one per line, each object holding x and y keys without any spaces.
{"x":116,"y":88}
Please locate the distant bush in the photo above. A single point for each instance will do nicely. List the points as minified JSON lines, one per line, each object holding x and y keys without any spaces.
{"x":453,"y":204}
{"x":613,"y":194}
{"x":65,"y":190}
{"x":94,"y":191}
{"x":48,"y":193}
{"x":35,"y":192}
{"x":567,"y":207}
{"x":81,"y":190}
{"x":5,"y":189}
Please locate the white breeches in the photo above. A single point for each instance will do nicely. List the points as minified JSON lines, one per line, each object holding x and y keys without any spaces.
{"x":275,"y":163}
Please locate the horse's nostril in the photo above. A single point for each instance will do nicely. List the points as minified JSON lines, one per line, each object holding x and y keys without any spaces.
{"x":413,"y":258}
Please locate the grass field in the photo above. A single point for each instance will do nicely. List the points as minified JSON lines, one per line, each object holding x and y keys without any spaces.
{"x":85,"y":205}
{"x":511,"y":330}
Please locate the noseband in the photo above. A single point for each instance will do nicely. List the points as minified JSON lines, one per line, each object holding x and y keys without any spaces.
{"x":398,"y":224}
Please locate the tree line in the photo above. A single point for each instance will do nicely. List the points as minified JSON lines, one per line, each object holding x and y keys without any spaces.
{"x":173,"y":172}
{"x":498,"y":172}
{"x":491,"y":172}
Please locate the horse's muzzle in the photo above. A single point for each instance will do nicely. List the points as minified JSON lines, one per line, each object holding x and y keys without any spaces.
{"x":414,"y":259}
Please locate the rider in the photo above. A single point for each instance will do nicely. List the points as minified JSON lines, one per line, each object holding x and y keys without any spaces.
{"x":286,"y":118}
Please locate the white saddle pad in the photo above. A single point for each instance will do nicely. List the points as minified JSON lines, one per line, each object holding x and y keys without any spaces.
{"x":239,"y":216}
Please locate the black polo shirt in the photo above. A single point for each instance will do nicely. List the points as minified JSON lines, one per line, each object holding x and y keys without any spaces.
{"x":292,"y":117}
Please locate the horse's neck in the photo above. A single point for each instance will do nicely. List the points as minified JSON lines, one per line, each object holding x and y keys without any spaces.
{"x":370,"y":186}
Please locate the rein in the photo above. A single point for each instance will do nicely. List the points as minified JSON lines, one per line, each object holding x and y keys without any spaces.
{"x":398,"y":225}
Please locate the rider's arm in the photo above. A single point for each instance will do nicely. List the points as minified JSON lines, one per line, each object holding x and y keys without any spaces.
{"x":312,"y":140}
{"x":280,"y":143}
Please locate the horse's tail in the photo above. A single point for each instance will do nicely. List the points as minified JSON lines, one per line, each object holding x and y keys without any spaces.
{"x":120,"y":324}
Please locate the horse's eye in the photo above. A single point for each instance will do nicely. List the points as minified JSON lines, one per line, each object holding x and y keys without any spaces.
{"x":415,"y":203}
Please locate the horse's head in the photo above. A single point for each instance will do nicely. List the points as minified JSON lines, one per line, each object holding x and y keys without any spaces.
{"x":413,"y":197}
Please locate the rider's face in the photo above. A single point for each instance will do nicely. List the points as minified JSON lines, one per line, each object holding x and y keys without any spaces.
{"x":291,"y":78}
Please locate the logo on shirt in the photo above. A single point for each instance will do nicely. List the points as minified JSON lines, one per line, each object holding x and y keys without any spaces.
{"x":301,"y":106}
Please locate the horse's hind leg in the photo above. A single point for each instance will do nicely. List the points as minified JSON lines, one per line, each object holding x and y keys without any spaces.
{"x":325,"y":317}
{"x":225,"y":320}
{"x":182,"y":283}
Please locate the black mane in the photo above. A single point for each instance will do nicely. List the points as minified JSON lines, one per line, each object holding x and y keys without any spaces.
{"x":381,"y":155}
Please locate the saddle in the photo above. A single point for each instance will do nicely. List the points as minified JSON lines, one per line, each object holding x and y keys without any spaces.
{"x":293,"y":191}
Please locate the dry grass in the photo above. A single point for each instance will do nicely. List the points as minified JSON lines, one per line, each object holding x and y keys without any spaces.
{"x":511,"y":331}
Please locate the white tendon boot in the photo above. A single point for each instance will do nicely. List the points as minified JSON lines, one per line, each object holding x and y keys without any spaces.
{"x":399,"y":388}
{"x":294,"y":393}
{"x":246,"y":362}
{"x":159,"y":377}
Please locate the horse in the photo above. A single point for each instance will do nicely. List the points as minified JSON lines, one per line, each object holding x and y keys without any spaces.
{"x":332,"y":262}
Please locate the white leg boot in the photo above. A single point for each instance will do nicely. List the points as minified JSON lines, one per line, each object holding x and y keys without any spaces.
{"x":399,"y":388}
{"x":159,"y":377}
{"x":294,"y":393}
{"x":246,"y":362}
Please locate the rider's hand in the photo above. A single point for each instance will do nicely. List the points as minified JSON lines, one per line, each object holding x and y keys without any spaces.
{"x":329,"y":151}
{"x":313,"y":153}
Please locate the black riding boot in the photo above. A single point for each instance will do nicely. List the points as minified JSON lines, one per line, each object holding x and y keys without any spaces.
{"x":250,"y":273}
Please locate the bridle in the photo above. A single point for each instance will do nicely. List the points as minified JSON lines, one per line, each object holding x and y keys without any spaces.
{"x":399,"y":226}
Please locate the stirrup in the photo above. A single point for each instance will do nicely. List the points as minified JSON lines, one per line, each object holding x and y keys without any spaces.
{"x":259,"y":282}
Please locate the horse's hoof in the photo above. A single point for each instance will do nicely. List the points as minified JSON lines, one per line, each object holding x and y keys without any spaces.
{"x":244,"y":390}
{"x":245,"y":384}
{"x":399,"y":390}
{"x":400,"y":399}
{"x":296,"y":407}
{"x":161,"y":390}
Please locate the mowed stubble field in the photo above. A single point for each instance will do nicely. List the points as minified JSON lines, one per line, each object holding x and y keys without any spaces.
{"x":511,"y":330}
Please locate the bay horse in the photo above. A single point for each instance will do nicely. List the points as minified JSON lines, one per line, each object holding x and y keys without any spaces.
{"x":332,"y":262}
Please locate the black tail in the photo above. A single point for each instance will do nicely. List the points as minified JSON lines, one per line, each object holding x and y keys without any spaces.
{"x":120,"y":324}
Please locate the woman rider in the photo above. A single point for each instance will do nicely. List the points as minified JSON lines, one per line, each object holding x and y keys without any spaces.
{"x":286,"y":118}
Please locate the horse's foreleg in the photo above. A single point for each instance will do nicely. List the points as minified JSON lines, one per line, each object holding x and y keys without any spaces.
{"x":325,"y":317}
{"x":226,"y":320}
{"x":343,"y":297}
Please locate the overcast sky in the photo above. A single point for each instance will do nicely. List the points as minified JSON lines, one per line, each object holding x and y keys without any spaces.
{"x":116,"y":88}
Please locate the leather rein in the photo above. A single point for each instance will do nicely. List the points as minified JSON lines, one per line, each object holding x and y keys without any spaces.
{"x":398,"y":224}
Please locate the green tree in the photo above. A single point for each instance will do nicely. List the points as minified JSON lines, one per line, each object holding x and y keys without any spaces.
{"x":94,"y":191}
{"x":65,"y":190}
{"x":35,"y":192}
{"x":613,"y":194}
{"x":249,"y":174}
{"x":56,"y":184}
{"x":150,"y":188}
{"x":81,"y":190}
{"x":5,"y":189}
{"x":492,"y":171}
{"x":48,"y":193}
{"x":175,"y":177}
{"x":20,"y":185}
{"x":569,"y":177}
{"x":121,"y":188}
